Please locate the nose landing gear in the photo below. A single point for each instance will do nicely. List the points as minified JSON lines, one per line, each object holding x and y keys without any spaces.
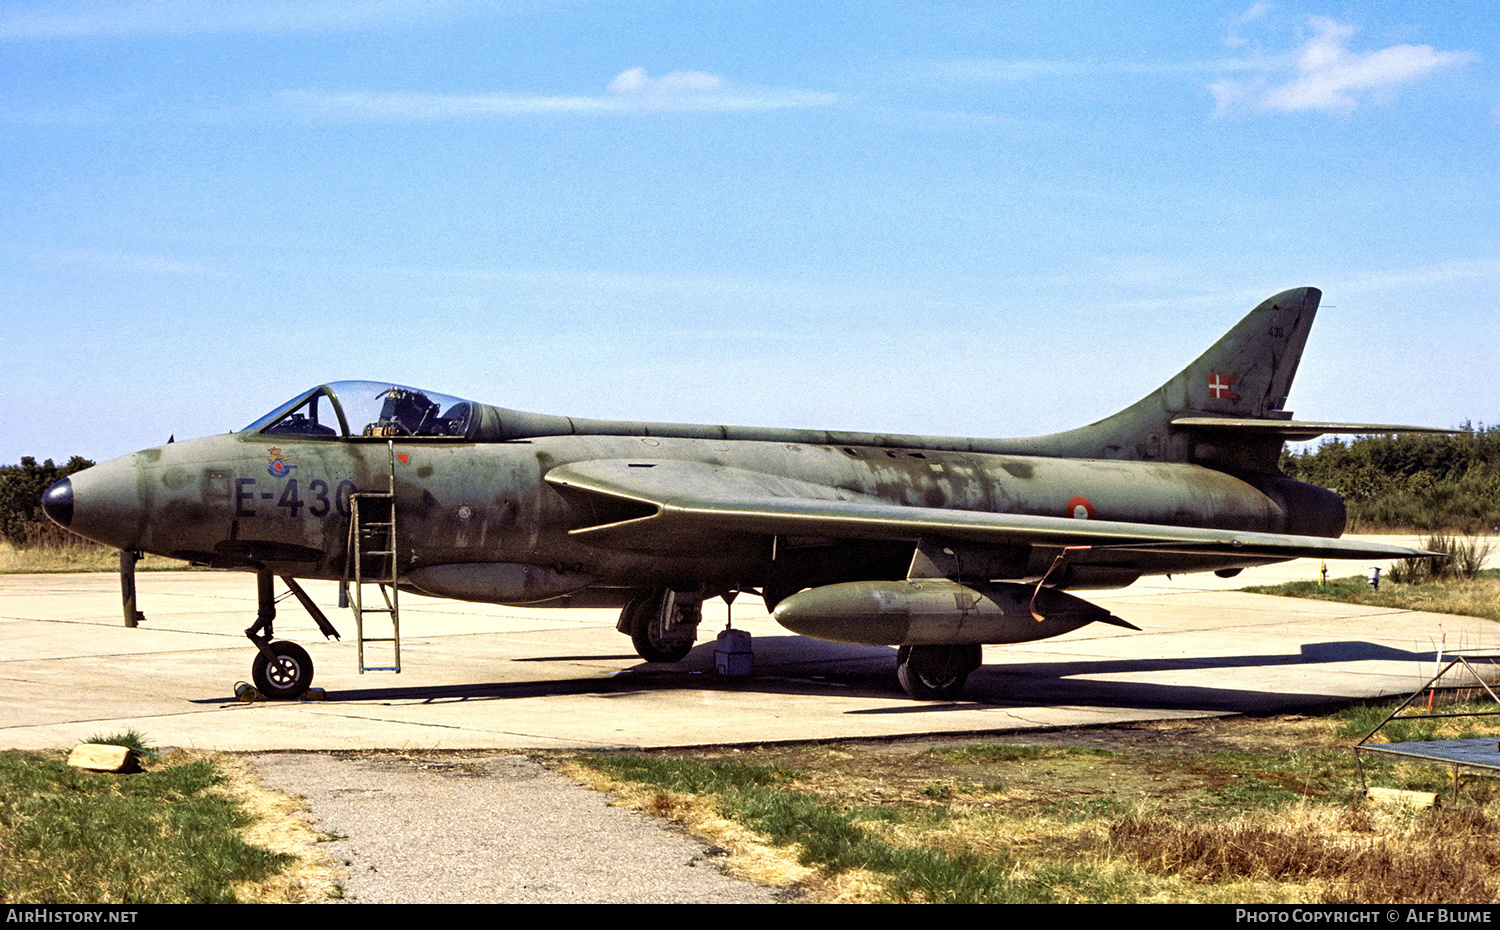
{"x":282,"y":670}
{"x":286,"y":675}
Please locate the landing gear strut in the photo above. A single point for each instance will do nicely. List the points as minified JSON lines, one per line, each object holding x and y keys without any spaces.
{"x":662,"y":624}
{"x":281,"y":670}
{"x":133,"y":617}
{"x":936,"y":673}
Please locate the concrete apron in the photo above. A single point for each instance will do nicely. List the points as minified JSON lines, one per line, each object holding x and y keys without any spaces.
{"x":478,"y":676}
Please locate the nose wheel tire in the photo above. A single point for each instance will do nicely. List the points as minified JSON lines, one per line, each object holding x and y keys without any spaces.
{"x":285,"y":677}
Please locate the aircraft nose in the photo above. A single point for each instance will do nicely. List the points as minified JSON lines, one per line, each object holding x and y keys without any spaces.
{"x":57,"y":503}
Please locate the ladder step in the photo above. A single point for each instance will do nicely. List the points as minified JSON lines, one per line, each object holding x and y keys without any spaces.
{"x":372,"y":545}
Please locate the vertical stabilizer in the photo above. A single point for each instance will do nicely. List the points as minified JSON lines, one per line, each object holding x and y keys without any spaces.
{"x":1246,"y":375}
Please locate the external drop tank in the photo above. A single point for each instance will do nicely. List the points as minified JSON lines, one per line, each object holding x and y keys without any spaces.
{"x":935,"y":612}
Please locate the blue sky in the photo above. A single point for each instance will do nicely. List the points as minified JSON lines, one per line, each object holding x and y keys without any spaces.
{"x":984,"y":219}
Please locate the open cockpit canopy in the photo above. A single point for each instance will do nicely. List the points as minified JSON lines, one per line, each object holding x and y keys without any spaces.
{"x":370,"y":409}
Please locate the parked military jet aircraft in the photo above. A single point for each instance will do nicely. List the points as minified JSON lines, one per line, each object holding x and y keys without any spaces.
{"x":934,"y":545}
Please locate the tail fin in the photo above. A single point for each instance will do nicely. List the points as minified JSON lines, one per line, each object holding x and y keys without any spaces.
{"x":1200,"y":415}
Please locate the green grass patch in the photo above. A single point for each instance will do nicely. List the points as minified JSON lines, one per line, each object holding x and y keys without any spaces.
{"x":976,"y":753}
{"x":838,"y":837}
{"x":163,"y":836}
{"x":131,"y":739}
{"x":1477,"y":597}
{"x":686,"y":776}
{"x":1266,"y":811}
{"x":1415,"y":725}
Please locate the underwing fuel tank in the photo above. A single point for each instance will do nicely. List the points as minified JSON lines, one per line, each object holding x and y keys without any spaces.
{"x":934,"y":612}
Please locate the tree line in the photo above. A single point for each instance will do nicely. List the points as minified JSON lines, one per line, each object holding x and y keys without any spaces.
{"x":22,"y":523}
{"x":1410,"y":483}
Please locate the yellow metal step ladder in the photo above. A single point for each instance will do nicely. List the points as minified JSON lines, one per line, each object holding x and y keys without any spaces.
{"x":372,"y":561}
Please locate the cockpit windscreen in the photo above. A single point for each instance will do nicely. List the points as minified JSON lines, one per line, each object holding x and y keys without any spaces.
{"x":373,"y":409}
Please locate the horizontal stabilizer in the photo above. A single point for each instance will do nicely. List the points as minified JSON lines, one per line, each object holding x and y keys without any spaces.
{"x":1299,"y":430}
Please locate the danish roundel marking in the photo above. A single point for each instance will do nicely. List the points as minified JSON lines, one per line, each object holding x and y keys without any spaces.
{"x":1079,"y":508}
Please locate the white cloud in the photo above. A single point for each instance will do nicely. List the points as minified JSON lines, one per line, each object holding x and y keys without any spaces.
{"x":636,"y":81}
{"x":632,"y":91}
{"x":1326,"y":75}
{"x":1257,"y":11}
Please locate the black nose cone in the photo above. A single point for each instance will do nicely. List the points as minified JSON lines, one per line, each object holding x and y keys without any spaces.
{"x":57,"y":503}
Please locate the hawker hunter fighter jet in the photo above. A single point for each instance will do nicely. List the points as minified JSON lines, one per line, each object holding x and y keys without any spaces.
{"x":930,"y":544}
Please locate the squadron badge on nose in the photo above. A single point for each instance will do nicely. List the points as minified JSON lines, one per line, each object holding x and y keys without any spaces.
{"x":279,"y":466}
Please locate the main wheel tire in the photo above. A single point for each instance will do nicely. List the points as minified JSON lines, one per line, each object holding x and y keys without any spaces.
{"x":642,"y":613}
{"x":936,"y":673}
{"x":286,"y":677}
{"x":652,"y":649}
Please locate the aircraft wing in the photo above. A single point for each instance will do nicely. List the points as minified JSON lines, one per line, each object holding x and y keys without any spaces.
{"x":666,"y":504}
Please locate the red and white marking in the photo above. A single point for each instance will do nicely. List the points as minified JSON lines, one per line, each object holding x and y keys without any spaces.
{"x":1218,"y":387}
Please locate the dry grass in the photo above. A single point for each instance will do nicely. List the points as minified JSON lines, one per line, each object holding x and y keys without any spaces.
{"x":1479,"y":597}
{"x":748,"y":855}
{"x":1476,"y":597}
{"x":278,"y":824}
{"x":76,"y":556}
{"x":1210,"y":811}
{"x":1466,"y":556}
{"x":1329,"y":855}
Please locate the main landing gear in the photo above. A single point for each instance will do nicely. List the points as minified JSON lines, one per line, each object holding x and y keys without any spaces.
{"x":662,"y":624}
{"x":936,"y":673}
{"x":281,"y":670}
